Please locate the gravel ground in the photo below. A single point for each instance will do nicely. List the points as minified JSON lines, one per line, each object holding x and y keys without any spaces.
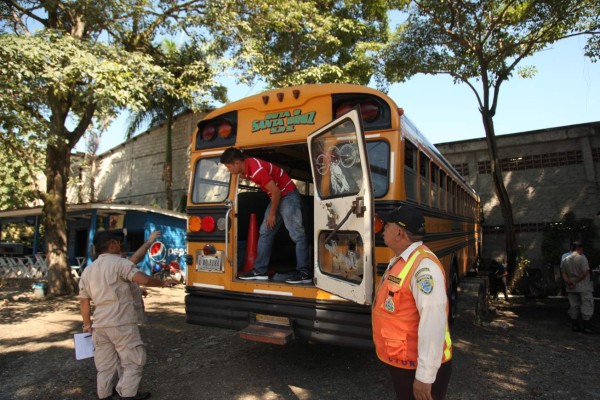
{"x":523,"y":350}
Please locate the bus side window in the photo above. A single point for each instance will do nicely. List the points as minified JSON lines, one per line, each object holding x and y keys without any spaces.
{"x":424,"y":171}
{"x":410,"y":170}
{"x":443,"y":192}
{"x":435,"y":170}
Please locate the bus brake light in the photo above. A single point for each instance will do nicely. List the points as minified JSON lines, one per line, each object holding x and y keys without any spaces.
{"x":208,"y":224}
{"x":208,"y":133}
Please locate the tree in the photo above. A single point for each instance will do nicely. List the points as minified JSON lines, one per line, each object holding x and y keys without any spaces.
{"x":192,"y":79}
{"x":57,"y":80}
{"x":482,"y":44}
{"x":287,"y":43}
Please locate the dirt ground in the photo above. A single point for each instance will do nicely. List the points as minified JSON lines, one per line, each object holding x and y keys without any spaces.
{"x":525,"y":350}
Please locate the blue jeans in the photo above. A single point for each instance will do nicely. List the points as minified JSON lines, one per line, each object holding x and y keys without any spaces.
{"x":290,"y":214}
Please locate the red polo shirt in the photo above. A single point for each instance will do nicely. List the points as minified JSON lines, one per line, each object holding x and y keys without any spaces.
{"x":261,"y":172}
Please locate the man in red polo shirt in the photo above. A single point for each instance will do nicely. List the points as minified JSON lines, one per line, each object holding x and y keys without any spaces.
{"x":285,"y":207}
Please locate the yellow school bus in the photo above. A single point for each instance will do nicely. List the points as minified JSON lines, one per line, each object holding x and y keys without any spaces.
{"x":352,"y":153}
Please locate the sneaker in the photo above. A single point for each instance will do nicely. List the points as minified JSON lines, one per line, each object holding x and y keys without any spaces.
{"x":254,"y":275}
{"x":299,"y":277}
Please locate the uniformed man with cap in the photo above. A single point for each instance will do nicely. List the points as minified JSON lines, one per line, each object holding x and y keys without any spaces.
{"x":114,"y":329}
{"x":410,"y":312}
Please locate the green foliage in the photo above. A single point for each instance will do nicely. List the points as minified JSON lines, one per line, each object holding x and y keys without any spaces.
{"x":312,"y":41}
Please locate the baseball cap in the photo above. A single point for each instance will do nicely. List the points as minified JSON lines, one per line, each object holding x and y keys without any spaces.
{"x":408,"y":217}
{"x":102,"y":238}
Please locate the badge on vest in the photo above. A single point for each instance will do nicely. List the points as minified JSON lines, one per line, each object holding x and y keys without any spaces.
{"x":388,"y":305}
{"x":425,"y":283}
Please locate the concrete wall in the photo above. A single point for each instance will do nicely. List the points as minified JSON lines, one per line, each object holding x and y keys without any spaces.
{"x":547,"y":173}
{"x":132,"y":173}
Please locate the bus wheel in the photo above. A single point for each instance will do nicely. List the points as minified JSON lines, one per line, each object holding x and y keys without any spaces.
{"x":453,"y":297}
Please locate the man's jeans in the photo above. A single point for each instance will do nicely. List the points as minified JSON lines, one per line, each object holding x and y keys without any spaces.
{"x":290,"y":214}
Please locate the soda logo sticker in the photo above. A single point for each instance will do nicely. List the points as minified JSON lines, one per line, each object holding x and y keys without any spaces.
{"x":157,"y":252}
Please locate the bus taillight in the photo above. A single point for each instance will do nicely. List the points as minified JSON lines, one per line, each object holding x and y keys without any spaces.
{"x":208,"y":224}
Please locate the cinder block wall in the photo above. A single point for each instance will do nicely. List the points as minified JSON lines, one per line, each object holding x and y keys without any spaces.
{"x":550,"y":172}
{"x":133,"y":171}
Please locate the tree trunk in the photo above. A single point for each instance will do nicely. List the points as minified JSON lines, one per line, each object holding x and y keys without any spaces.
{"x":168,"y":168}
{"x":503,"y":198}
{"x":60,"y":280}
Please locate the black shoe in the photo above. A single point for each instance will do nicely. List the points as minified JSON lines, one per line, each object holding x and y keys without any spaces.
{"x":254,"y":275}
{"x":299,"y":277}
{"x":575,"y":327}
{"x":138,"y":396}
{"x":588,"y":328}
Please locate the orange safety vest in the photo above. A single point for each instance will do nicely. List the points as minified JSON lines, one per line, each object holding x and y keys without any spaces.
{"x":395,"y":316}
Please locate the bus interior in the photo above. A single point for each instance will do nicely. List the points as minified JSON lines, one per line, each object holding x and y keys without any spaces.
{"x":294,"y":160}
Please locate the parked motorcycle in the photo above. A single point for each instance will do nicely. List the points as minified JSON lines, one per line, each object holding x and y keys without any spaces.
{"x":172,"y":270}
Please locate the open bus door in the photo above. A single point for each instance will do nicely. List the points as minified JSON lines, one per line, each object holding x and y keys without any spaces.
{"x":343,"y":209}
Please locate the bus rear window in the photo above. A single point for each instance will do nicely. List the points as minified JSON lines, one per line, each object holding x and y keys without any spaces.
{"x":211,"y":181}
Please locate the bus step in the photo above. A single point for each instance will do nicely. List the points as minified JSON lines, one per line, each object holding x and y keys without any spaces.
{"x":267,"y":333}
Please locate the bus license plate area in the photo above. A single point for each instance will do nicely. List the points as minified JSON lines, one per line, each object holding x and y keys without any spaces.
{"x":210,"y":263}
{"x":272,"y":319}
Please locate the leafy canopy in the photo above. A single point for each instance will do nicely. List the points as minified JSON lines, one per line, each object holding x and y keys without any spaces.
{"x":483,"y":40}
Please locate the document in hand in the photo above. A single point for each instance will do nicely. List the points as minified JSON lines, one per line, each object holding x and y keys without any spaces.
{"x":84,"y":347}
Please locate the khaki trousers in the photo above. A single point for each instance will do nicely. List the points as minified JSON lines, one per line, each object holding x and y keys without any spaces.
{"x":581,"y":303}
{"x":119,"y":345}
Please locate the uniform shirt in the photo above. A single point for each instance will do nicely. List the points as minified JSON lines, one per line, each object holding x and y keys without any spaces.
{"x":106,"y":283}
{"x":574,"y":265}
{"x":432,"y":312}
{"x":262,"y":172}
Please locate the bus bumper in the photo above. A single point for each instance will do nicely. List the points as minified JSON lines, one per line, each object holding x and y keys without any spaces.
{"x":342,"y":324}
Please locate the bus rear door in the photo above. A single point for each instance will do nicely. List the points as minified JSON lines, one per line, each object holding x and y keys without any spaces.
{"x":343,"y":209}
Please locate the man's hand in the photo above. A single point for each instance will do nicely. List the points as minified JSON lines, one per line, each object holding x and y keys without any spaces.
{"x":153,"y":236}
{"x":422,"y":391}
{"x":169,"y":283}
{"x":271,"y":219}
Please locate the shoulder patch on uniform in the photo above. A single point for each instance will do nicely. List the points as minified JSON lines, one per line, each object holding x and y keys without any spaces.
{"x":425,"y":283}
{"x":394,"y":279}
{"x":419,"y":272}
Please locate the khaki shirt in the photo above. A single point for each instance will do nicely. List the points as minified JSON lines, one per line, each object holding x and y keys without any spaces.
{"x":574,"y":265}
{"x":106,"y":283}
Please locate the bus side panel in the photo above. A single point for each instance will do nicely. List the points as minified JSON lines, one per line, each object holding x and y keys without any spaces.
{"x":345,"y":324}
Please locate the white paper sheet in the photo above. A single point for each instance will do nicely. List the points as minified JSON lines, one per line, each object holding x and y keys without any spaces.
{"x":84,"y":347}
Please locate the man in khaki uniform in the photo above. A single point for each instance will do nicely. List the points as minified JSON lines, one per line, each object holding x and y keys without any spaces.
{"x":115,"y":332}
{"x":575,"y":271}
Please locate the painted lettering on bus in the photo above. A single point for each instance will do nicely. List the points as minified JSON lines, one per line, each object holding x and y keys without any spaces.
{"x":284,"y":121}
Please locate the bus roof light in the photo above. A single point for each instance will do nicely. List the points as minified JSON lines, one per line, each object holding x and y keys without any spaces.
{"x":265,"y":99}
{"x":209,"y":132}
{"x":225,"y":130}
{"x":280,"y":97}
{"x":296,"y":93}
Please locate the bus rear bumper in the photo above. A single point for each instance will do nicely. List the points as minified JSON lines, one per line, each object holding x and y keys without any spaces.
{"x":343,"y":324}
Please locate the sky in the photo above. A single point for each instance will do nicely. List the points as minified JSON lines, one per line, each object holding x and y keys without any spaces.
{"x":564,"y":91}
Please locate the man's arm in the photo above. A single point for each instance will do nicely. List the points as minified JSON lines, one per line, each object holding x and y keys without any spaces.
{"x":141,"y":251}
{"x":84,"y":306}
{"x":272,"y":188}
{"x":142,"y":279}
